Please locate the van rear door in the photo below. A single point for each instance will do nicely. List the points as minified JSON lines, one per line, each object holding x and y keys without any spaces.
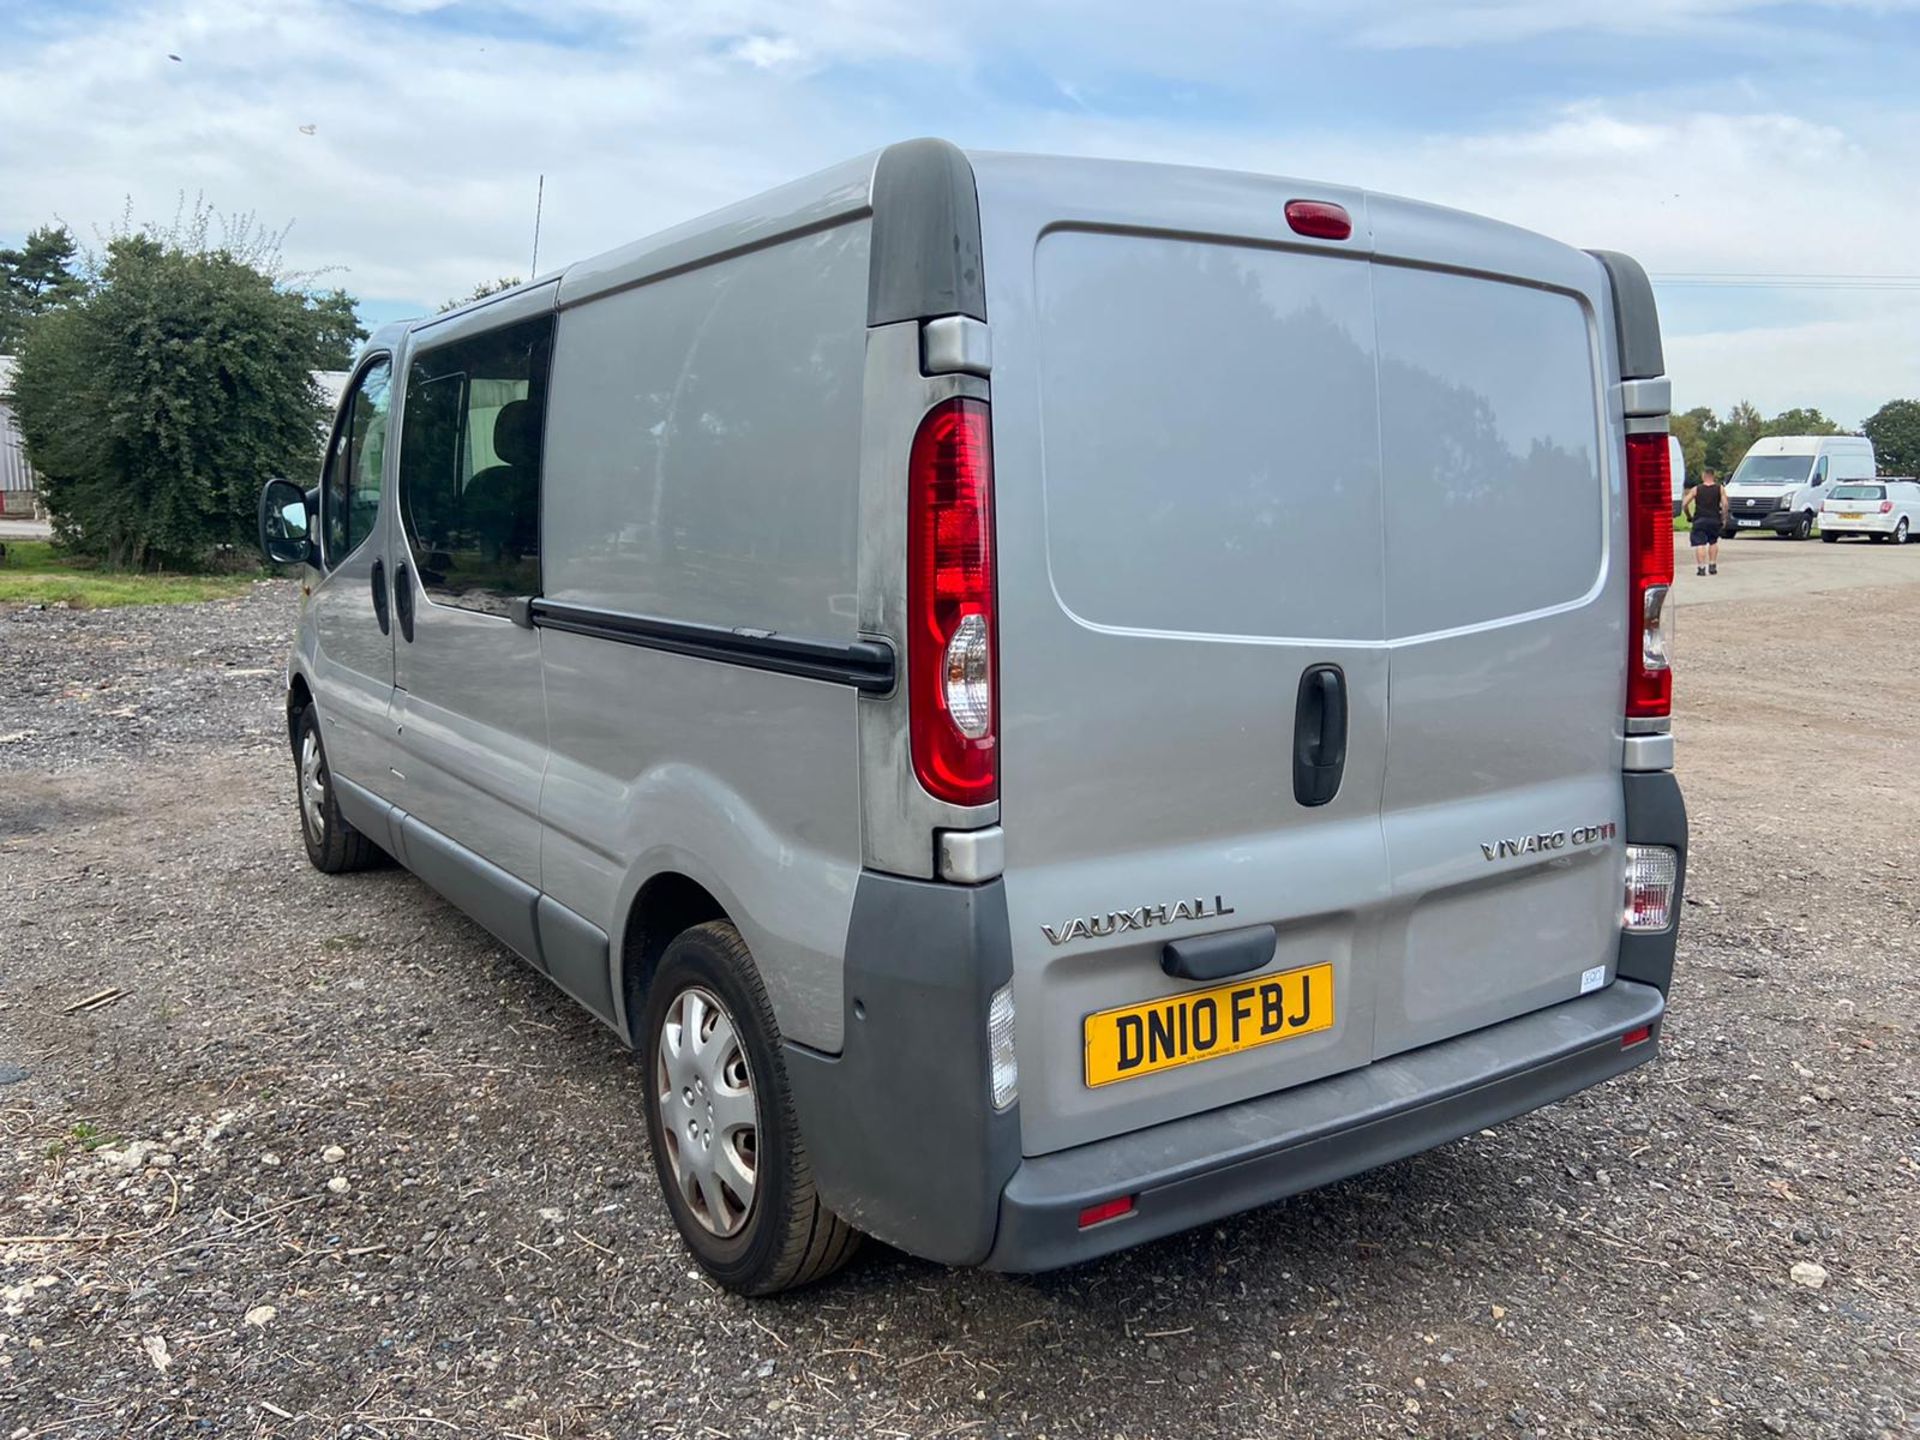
{"x":1188,"y":522}
{"x":1227,"y":455}
{"x":1505,"y":614}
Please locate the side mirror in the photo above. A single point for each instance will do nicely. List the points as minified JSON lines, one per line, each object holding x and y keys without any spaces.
{"x":286,"y":525}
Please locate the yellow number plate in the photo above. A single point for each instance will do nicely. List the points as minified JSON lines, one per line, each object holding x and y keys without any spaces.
{"x":1851,"y":515}
{"x":1137,"y":1040}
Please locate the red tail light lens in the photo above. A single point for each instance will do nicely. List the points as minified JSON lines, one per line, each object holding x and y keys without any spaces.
{"x":952,"y":649}
{"x":1321,"y":219}
{"x":1886,"y":507}
{"x":1650,"y":547}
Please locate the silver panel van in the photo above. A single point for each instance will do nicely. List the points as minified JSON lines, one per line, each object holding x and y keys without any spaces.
{"x":1050,"y":701}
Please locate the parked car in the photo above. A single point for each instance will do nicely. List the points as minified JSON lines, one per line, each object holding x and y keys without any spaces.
{"x":1779,"y":484}
{"x":888,"y":651}
{"x":1886,"y":509}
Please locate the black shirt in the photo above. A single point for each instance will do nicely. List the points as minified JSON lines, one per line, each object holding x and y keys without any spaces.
{"x":1709,"y":501}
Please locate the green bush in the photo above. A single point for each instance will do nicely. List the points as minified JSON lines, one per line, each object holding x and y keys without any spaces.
{"x":157,"y":403}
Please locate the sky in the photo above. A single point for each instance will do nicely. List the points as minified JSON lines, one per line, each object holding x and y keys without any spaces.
{"x":403,"y":140}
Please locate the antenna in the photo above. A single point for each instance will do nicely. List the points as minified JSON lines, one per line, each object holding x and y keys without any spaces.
{"x":539,"y":200}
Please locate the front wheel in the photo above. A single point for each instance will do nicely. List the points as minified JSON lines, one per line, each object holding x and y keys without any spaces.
{"x":333,"y":845}
{"x":720,"y":1119}
{"x":1804,"y":530}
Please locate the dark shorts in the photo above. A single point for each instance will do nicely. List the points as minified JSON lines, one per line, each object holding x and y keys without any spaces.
{"x":1706,"y":532}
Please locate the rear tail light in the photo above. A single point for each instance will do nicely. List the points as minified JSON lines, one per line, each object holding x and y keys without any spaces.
{"x":1886,"y":507}
{"x":952,"y":650}
{"x":1639,"y":1035}
{"x":1652,"y":873}
{"x":1650,"y":547}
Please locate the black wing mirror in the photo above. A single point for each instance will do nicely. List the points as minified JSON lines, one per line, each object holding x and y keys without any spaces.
{"x":286,"y":525}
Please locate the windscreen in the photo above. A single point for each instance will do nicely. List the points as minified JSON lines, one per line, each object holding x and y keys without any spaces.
{"x":1773,"y":469}
{"x":1858,"y":492}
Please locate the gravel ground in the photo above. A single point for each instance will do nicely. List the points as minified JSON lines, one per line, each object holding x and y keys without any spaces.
{"x":320,"y":1159}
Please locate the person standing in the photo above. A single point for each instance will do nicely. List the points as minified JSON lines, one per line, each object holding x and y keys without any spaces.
{"x":1707,"y":505}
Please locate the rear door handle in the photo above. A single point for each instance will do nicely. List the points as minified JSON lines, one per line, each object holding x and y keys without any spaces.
{"x":403,"y":600}
{"x":380,"y":595}
{"x":1319,"y":734}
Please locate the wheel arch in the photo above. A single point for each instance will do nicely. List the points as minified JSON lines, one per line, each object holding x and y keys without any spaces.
{"x":299,"y":696}
{"x":667,"y":903}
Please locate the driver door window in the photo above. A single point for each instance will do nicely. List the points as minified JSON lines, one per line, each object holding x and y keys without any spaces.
{"x":350,"y":491}
{"x":1820,"y":471}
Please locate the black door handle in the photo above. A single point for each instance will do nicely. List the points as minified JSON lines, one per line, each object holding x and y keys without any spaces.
{"x":1319,"y":734}
{"x":403,"y":600}
{"x":380,"y":595}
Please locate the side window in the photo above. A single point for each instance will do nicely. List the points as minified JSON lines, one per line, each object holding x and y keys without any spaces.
{"x":1820,"y":471}
{"x":350,"y":497}
{"x":470,"y":450}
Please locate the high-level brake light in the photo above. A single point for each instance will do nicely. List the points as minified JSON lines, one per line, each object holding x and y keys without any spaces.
{"x":952,"y":647}
{"x":1321,"y":219}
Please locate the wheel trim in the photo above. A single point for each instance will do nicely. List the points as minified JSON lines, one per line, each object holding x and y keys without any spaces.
{"x":709,"y":1113}
{"x":313,"y":787}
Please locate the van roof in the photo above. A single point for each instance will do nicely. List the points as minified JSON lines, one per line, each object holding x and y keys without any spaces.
{"x":923,"y":188}
{"x":1803,"y":444}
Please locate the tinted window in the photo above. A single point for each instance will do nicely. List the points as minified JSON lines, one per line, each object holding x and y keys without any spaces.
{"x":470,"y":453}
{"x":1858,"y":492}
{"x":351,"y":498}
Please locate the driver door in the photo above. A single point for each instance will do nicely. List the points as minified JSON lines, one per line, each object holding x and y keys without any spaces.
{"x":351,"y":666}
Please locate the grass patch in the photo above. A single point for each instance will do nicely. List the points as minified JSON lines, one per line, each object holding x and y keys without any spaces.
{"x":35,"y":573}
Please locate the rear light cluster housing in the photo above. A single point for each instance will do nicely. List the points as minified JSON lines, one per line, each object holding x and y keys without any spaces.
{"x":1650,"y":546}
{"x":952,"y":630}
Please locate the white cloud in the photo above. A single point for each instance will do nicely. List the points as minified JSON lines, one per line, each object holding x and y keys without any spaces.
{"x":428,"y":136}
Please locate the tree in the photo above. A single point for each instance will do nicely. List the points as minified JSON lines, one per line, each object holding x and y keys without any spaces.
{"x":1801,"y":420}
{"x":1691,"y":429}
{"x":33,"y":280}
{"x":156,"y":403}
{"x":481,"y":291}
{"x":1895,"y":431}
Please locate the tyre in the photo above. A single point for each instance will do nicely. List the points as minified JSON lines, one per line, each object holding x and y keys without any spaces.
{"x":1900,"y":532}
{"x":1804,"y":530}
{"x":720,"y":1120}
{"x":333,"y":845}
{"x":1829,"y":537}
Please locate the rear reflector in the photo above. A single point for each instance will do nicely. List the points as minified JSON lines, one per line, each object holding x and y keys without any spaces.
{"x":1321,"y":219}
{"x":1652,"y":873}
{"x":1106,"y":1210}
{"x":1650,"y":555}
{"x":1636,"y":1037}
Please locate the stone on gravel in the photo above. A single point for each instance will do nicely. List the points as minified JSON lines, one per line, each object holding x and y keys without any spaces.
{"x":333,"y":1154}
{"x":1809,"y":1273}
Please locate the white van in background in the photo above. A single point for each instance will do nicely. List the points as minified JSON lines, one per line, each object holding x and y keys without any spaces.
{"x":1780,"y":483}
{"x":1677,"y":463}
{"x":1887,"y":509}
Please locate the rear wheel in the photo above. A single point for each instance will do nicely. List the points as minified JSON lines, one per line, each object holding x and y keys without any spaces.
{"x":1829,"y":537}
{"x":333,"y":845}
{"x":1900,"y":532}
{"x":726,"y":1145}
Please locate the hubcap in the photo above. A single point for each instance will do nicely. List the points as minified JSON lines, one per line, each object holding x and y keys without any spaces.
{"x":709,"y":1119}
{"x":313,"y":787}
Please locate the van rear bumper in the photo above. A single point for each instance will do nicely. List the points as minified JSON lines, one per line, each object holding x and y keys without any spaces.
{"x":1190,"y":1171}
